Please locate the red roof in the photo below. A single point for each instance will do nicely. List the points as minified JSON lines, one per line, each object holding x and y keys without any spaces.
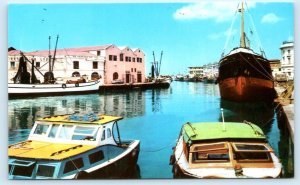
{"x":82,"y":51}
{"x":14,"y":52}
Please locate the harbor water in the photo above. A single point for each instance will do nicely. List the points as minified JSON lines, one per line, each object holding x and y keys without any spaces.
{"x":155,"y":117}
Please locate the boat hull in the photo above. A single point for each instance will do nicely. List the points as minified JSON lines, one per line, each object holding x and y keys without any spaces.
{"x":120,"y":162}
{"x":247,"y":89}
{"x":245,"y":76}
{"x":122,"y":167}
{"x":181,"y":167}
{"x":23,"y":90}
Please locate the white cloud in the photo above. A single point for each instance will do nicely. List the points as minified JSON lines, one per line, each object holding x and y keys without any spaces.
{"x":227,"y":33}
{"x":271,"y":18}
{"x":218,"y":10}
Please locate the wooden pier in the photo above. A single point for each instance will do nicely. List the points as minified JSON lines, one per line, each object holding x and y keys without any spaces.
{"x":286,"y":101}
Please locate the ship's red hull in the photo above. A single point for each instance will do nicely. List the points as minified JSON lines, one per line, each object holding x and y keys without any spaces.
{"x":247,"y":89}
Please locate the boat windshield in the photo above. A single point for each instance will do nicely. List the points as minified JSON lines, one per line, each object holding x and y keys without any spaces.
{"x":213,"y":152}
{"x":66,"y":131}
{"x":251,"y":152}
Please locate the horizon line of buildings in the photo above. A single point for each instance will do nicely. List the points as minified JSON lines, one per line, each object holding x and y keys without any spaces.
{"x":108,"y":62}
{"x":285,"y":65}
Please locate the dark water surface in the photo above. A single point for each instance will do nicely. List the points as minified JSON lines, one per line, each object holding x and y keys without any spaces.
{"x":155,"y":118}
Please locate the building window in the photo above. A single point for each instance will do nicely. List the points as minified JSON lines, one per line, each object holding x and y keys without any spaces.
{"x":76,"y":74}
{"x":134,"y":69}
{"x":289,"y":51}
{"x":121,"y":57}
{"x":289,"y":59}
{"x":133,"y":59}
{"x":98,"y":53}
{"x":95,"y":76}
{"x":12,"y":64}
{"x":126,"y":59}
{"x":141,"y":60}
{"x":95,"y":65}
{"x":110,"y":57}
{"x":131,"y":69}
{"x":115,"y":58}
{"x":38,"y":64}
{"x":129,"y":59}
{"x":75,"y":64}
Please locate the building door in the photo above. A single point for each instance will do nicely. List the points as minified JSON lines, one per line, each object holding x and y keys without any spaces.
{"x":139,"y":78}
{"x":115,"y":76}
{"x":127,"y":78}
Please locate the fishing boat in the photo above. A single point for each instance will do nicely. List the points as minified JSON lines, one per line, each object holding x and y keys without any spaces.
{"x":25,"y":84}
{"x":223,"y":150}
{"x":73,"y":147}
{"x":245,"y":76}
{"x":44,"y":89}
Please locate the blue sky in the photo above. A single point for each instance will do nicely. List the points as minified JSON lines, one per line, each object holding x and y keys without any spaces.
{"x":190,"y":34}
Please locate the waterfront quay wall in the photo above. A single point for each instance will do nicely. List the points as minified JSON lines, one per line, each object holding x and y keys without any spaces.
{"x":136,"y":86}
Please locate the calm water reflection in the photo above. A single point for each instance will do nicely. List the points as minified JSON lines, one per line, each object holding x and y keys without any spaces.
{"x":155,"y":117}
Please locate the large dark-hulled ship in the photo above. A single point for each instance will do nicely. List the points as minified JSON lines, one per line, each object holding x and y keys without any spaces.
{"x":245,"y":76}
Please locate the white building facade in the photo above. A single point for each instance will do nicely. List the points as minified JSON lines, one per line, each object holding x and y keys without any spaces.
{"x":196,"y":71}
{"x":287,"y":59}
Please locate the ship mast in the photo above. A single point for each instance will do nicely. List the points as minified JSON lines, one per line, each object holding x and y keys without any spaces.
{"x":243,"y":45}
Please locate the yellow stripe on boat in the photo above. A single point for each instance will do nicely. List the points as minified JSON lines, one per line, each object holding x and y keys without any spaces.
{"x":65,"y":119}
{"x":46,"y":150}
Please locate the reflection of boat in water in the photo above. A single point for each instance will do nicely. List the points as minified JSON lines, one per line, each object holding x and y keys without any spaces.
{"x":223,"y":150}
{"x":258,"y":112}
{"x":74,"y":146}
{"x":245,"y":76}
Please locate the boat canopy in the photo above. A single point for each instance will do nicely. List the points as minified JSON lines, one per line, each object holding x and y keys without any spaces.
{"x":81,"y":119}
{"x":218,"y":130}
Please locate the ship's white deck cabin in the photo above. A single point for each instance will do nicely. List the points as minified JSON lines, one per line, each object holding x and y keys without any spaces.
{"x":88,"y":129}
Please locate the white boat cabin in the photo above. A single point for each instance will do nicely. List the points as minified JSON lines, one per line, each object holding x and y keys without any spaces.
{"x":73,"y":129}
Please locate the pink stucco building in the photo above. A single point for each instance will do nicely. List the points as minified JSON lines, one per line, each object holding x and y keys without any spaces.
{"x":124,"y":64}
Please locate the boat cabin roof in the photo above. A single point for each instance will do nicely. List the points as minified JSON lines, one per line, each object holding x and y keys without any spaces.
{"x":45,"y":150}
{"x":94,"y":119}
{"x":216,"y":130}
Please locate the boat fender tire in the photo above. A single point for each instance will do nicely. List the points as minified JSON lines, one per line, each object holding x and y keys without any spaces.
{"x":77,"y":85}
{"x":176,"y":171}
{"x":63,"y":86}
{"x":172,"y":159}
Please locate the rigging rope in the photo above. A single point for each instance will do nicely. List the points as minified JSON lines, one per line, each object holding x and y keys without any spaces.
{"x":268,"y":77}
{"x":259,"y":45}
{"x":230,"y":30}
{"x":159,"y":149}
